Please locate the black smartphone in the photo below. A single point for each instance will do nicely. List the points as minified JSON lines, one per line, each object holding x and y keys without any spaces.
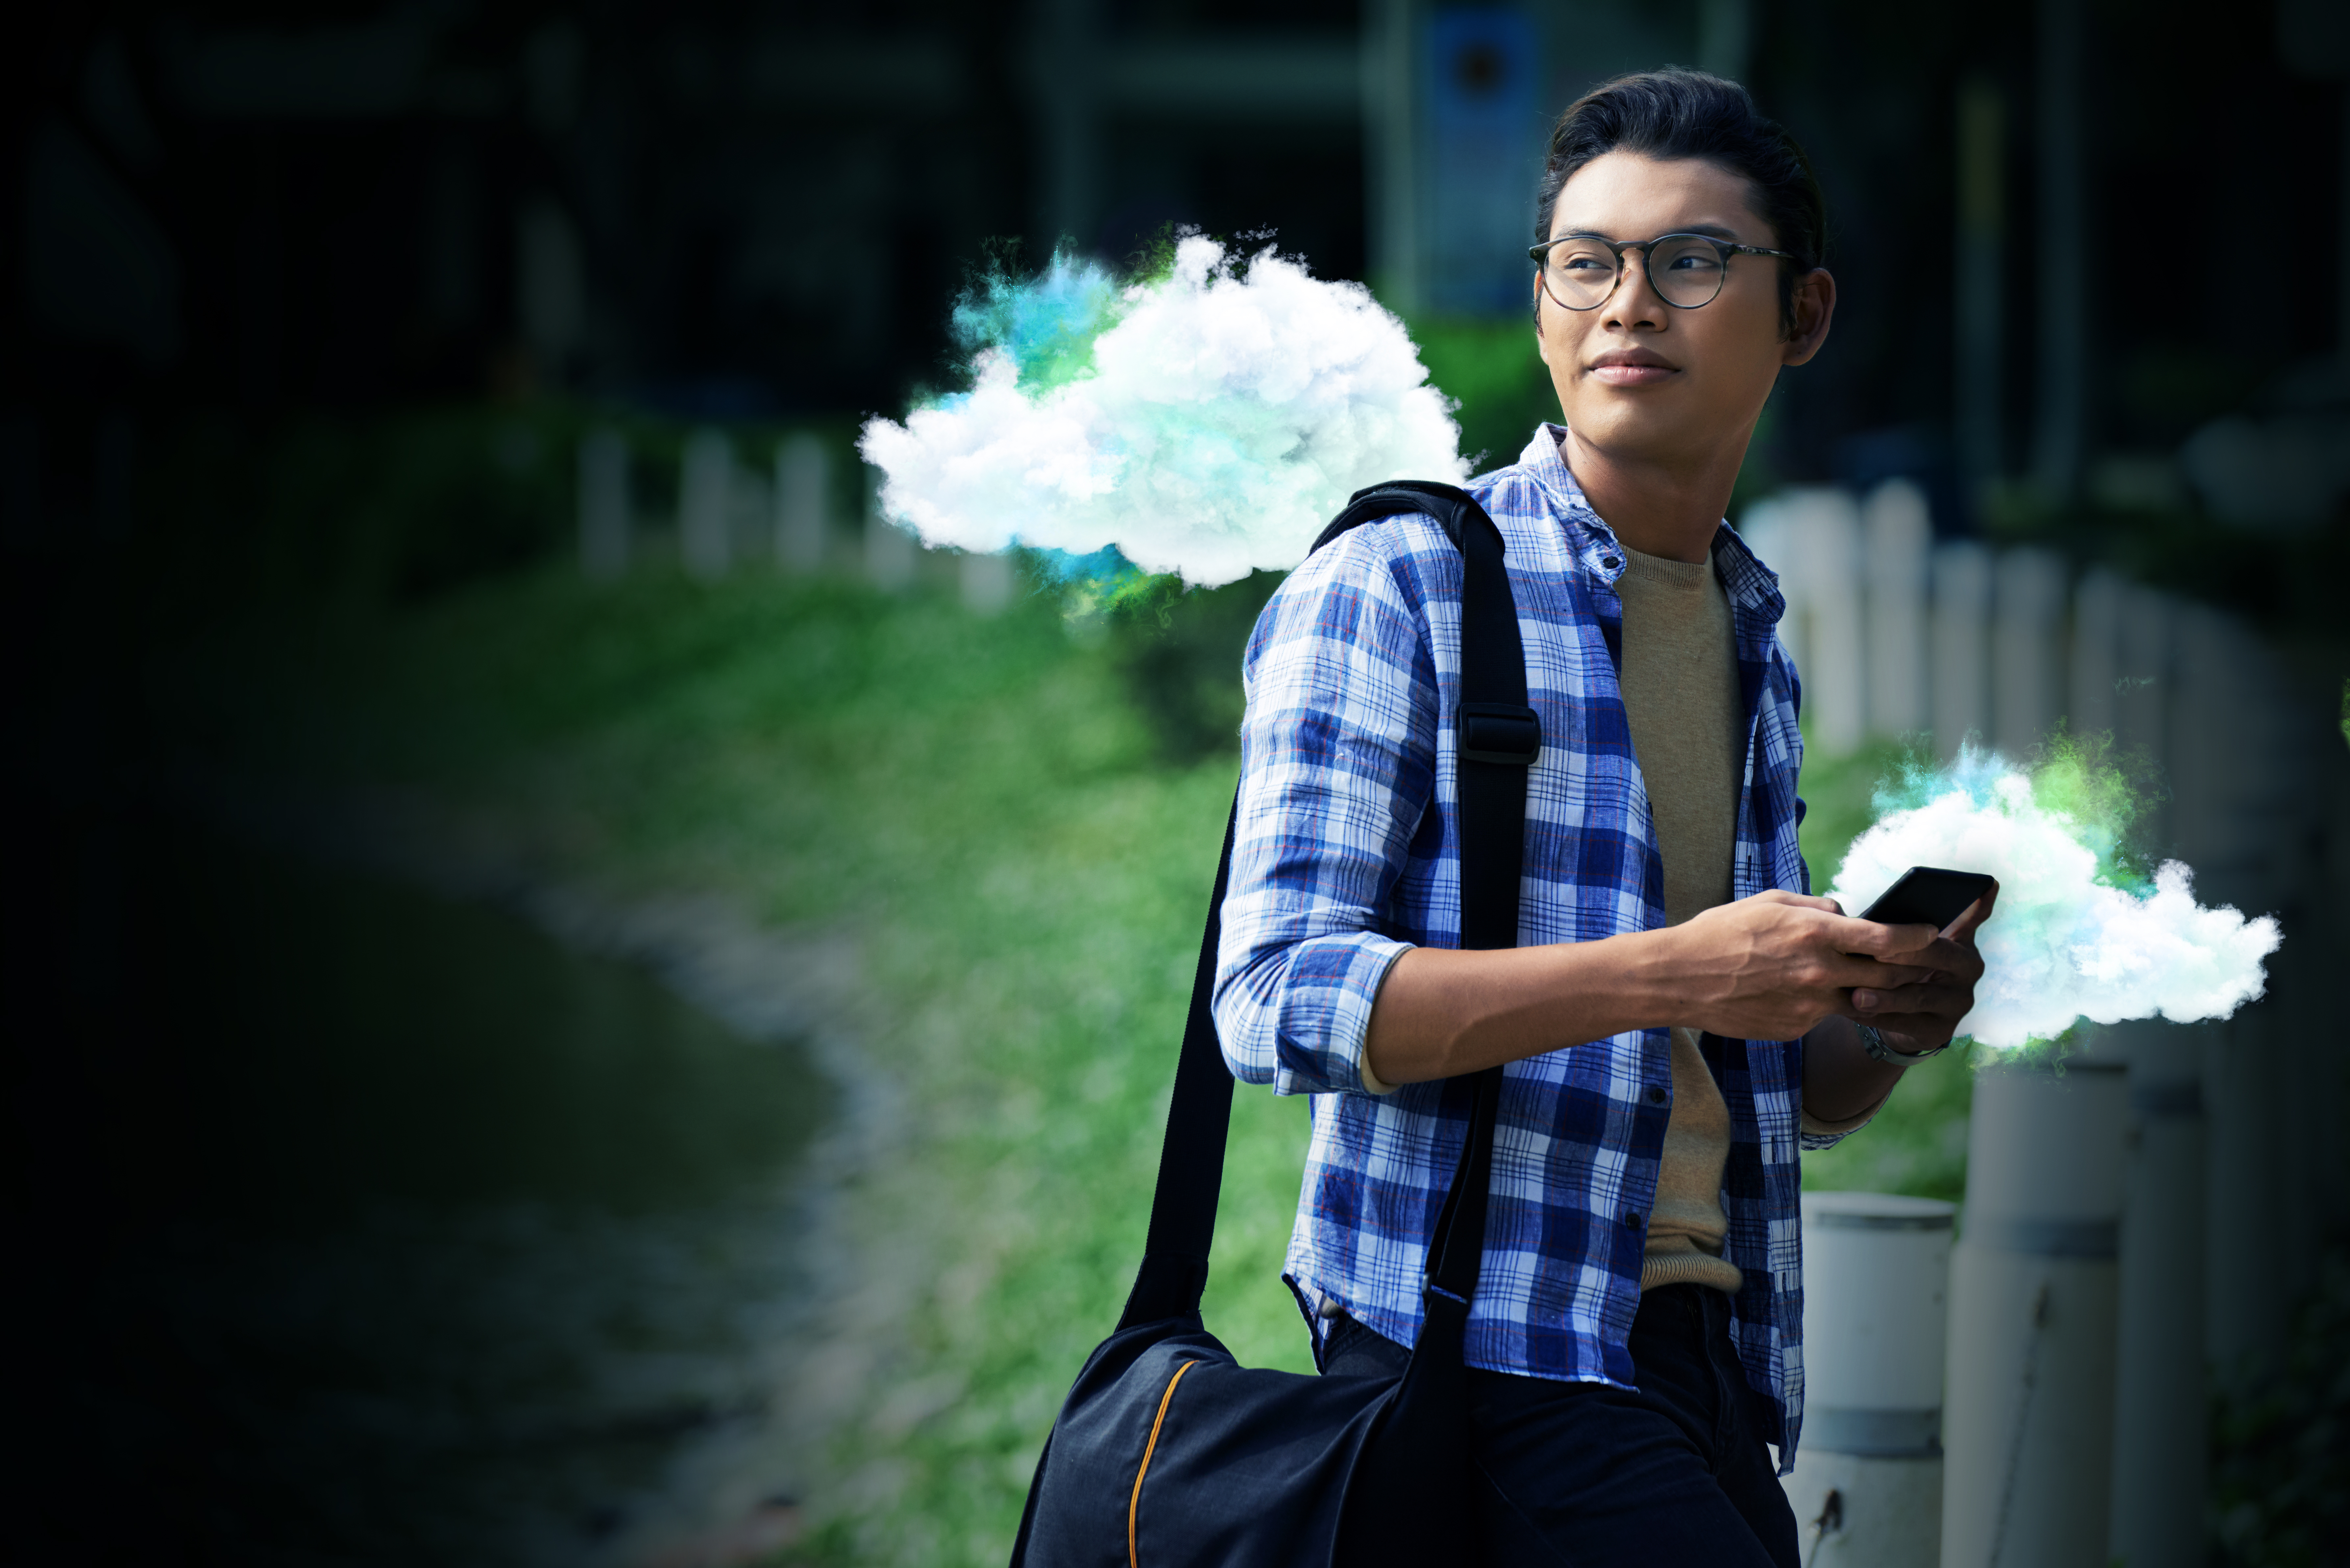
{"x":1928,"y":896}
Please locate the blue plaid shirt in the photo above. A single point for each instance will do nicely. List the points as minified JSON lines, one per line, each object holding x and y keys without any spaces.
{"x":1347,"y":854}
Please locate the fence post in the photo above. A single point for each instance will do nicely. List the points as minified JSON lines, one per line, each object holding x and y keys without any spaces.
{"x":988,"y":581}
{"x":2029,"y":607}
{"x":1825,"y":527}
{"x":802,"y":478}
{"x":1765,"y":528}
{"x":2034,"y":1281}
{"x":705,"y":506}
{"x":604,"y":521}
{"x":1962,"y":607}
{"x":890,"y":551}
{"x":2161,"y":1406}
{"x":1900,"y":534}
{"x":1876,"y":1285}
{"x":2228,"y":821}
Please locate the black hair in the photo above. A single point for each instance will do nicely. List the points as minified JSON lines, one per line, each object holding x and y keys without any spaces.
{"x":1677,"y":113}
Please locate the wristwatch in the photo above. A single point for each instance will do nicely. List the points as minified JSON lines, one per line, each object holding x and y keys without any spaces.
{"x":1874,"y":1044}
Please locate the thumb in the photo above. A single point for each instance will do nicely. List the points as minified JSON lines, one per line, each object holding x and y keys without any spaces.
{"x":1964,"y":928}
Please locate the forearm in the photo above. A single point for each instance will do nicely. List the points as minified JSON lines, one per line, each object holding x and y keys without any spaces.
{"x":1840,"y":1079}
{"x":1442,"y":1011}
{"x":1771,"y":967}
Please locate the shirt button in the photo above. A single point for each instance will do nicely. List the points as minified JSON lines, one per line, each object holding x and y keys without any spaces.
{"x":1631,"y":1220}
{"x":1610,"y":561}
{"x":1656,"y":1094}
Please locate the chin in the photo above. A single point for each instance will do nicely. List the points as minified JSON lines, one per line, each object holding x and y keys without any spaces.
{"x":1629,"y":431}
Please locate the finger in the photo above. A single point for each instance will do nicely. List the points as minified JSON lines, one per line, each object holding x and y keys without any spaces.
{"x":1945,"y":954}
{"x":1964,"y":928}
{"x":1853,"y":935}
{"x":1850,"y":974}
{"x":1940,"y":999}
{"x":1798,"y":900}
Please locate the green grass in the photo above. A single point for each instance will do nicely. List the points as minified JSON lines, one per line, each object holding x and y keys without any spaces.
{"x":1002,"y":816}
{"x":987,"y":808}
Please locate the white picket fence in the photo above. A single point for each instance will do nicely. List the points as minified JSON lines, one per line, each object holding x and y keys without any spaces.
{"x":1895,"y":635}
{"x":2131,"y":1225}
{"x":732,"y":515}
{"x":2074,"y":1420}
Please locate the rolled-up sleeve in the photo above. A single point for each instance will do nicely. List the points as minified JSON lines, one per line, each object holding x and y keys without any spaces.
{"x":1818,"y":1135}
{"x":1338,"y":767}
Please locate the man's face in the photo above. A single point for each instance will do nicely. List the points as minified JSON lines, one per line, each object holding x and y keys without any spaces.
{"x":1641,"y":379}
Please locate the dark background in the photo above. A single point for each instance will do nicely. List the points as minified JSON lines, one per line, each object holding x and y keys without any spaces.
{"x":300,"y":297}
{"x":262,"y":210}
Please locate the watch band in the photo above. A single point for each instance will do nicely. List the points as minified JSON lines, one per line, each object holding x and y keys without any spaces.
{"x":1874,"y":1044}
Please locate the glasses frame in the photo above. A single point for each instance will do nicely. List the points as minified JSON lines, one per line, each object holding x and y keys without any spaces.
{"x":1540,"y":255}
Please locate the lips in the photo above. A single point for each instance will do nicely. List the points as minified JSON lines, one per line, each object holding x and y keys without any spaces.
{"x":1631,"y":368}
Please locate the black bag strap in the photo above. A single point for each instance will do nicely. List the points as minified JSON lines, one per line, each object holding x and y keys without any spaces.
{"x":1498,"y":737}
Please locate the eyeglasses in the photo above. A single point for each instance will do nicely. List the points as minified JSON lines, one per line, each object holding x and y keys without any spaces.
{"x":1580,"y":271}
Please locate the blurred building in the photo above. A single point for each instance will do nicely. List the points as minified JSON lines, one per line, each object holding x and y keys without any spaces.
{"x":733,"y":207}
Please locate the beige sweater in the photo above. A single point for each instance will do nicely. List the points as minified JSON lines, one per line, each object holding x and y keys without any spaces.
{"x":1679,"y":679}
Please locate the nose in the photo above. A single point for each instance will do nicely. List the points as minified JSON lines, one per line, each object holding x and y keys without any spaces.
{"x":1634,"y":303}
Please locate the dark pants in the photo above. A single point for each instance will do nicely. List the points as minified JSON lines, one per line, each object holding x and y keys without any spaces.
{"x":1675,"y":1472}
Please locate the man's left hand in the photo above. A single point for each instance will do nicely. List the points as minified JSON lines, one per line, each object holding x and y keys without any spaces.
{"x":1920,"y":1017}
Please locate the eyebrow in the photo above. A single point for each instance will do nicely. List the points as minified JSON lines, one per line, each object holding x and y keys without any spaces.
{"x":1712,"y":231}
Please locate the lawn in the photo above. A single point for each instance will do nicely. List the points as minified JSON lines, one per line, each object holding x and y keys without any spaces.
{"x":1018,"y":827}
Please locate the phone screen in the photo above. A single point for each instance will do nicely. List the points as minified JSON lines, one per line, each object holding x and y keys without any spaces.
{"x":1928,"y":896}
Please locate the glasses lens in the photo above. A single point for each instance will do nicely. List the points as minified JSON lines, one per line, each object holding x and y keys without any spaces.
{"x":1579,"y":273}
{"x":1687,"y":270}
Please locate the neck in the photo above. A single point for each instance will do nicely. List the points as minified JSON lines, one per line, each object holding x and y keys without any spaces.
{"x":1667,"y":507}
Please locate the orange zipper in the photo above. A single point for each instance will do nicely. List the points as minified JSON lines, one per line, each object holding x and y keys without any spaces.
{"x":1134,"y":1506}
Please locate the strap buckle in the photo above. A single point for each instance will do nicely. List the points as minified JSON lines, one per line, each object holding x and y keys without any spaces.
{"x":1507,"y":732}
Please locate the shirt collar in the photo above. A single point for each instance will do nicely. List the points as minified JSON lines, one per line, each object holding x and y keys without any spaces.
{"x":1751,"y":584}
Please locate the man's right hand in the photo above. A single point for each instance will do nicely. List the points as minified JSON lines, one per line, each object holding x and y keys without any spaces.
{"x":1765,"y":968}
{"x":1770,"y":967}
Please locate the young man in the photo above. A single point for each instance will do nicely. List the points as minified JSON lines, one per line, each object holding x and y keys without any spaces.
{"x":1678,"y":1014}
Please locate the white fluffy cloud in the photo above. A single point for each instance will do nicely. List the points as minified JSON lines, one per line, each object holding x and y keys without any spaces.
{"x":2061,"y":945}
{"x":1225,"y":419}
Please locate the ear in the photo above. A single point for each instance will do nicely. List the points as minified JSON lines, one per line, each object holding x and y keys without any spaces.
{"x":1814,"y":307}
{"x":1542,"y":343}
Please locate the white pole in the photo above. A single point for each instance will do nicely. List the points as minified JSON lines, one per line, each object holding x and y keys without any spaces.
{"x":2029,"y":1425}
{"x":802,"y":478}
{"x":604,"y":521}
{"x":2026,"y":696}
{"x":750,"y":510}
{"x":2161,"y":1404}
{"x":1876,"y":1283}
{"x":1826,"y":529}
{"x":705,"y":506}
{"x":2225,"y":821}
{"x":1961,"y":693}
{"x":1900,"y":536}
{"x":1765,"y":529}
{"x":890,"y":558}
{"x":2098,"y":603}
{"x":988,"y":582}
